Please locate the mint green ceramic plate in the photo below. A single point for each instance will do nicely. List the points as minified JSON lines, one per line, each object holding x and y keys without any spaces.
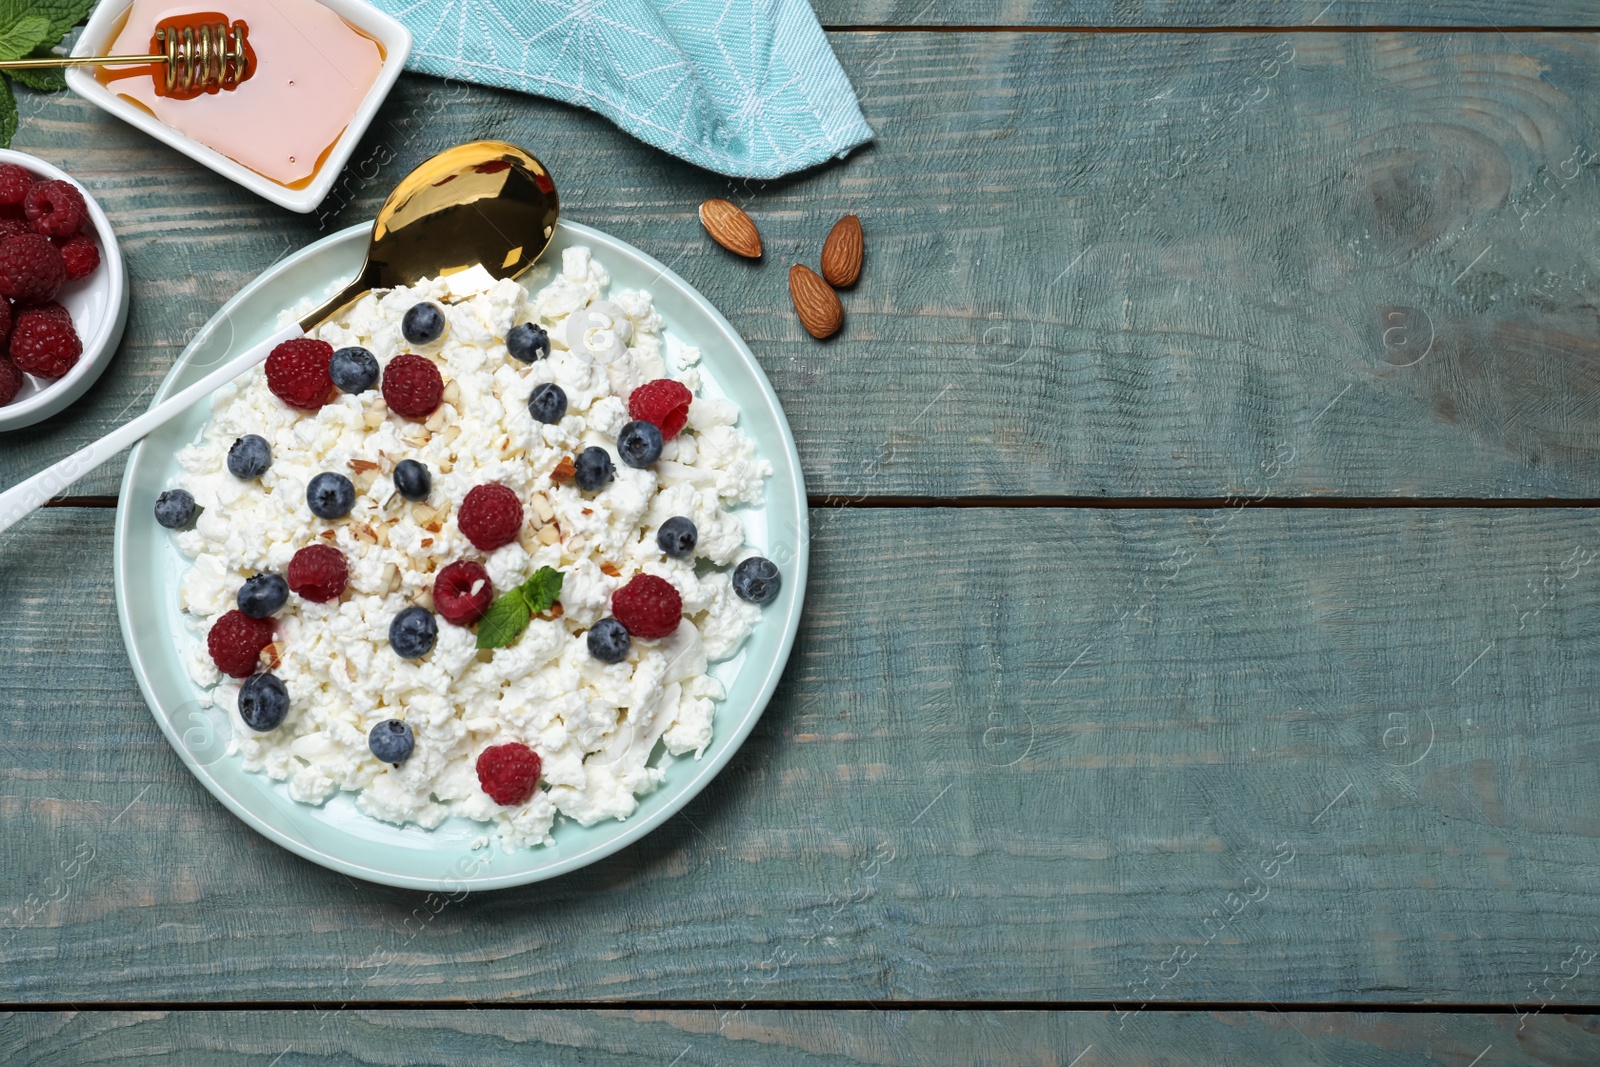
{"x":337,"y":834}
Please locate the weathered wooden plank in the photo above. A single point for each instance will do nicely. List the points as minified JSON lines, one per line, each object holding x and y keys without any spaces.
{"x":1198,"y":13}
{"x":1252,"y":755}
{"x":500,"y":1038}
{"x":1103,"y":265}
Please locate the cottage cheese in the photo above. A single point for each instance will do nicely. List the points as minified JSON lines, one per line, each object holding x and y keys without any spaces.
{"x":594,"y":726}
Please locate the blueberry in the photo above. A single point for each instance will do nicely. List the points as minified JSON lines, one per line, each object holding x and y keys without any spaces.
{"x":330,"y":496}
{"x":639,"y":443}
{"x":423,"y":323}
{"x":412,"y":479}
{"x":249,"y":457}
{"x":353,"y":370}
{"x":263,"y":702}
{"x":608,"y":641}
{"x":175,"y":509}
{"x":528,"y":342}
{"x":677,"y":537}
{"x":548,"y":403}
{"x":594,"y":469}
{"x":391,"y":741}
{"x":757,"y":580}
{"x":262,"y":594}
{"x":413,"y":632}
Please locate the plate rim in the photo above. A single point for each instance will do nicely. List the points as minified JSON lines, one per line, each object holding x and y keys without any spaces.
{"x":633,"y":828}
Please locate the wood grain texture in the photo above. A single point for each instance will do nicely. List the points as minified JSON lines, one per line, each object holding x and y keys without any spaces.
{"x":1328,"y":757}
{"x":498,"y":1038}
{"x":1201,"y":13}
{"x":1134,"y":265}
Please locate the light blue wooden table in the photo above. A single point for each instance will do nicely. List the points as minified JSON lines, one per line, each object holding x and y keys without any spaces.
{"x":1202,"y":654}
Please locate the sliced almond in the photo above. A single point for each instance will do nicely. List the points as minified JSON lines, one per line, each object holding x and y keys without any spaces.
{"x":542,"y":508}
{"x":425,"y":542}
{"x":422,"y":513}
{"x":272,"y":655}
{"x":564,"y":471}
{"x":452,"y":391}
{"x":556,"y":610}
{"x":549,"y":535}
{"x":372,"y":419}
{"x":815,"y":302}
{"x":731,"y":228}
{"x":841,"y":252}
{"x":361,"y":466}
{"x":451,"y":432}
{"x":611,"y":569}
{"x":329,"y":535}
{"x":434,"y":527}
{"x":365,"y":533}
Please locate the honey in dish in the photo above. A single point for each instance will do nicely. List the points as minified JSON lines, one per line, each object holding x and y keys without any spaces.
{"x":309,"y":70}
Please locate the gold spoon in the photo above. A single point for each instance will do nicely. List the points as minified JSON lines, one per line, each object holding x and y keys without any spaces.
{"x":485,"y":202}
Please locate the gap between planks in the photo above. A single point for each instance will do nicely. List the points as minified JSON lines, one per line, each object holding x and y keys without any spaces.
{"x":1098,"y":503}
{"x":1355,"y":1008}
{"x":1196,"y":30}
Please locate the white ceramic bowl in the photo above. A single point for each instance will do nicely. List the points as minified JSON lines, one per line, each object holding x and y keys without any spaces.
{"x":99,"y":307}
{"x":395,"y":38}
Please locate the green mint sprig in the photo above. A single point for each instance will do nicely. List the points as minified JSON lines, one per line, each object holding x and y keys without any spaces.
{"x":508,"y":616}
{"x":29,"y":29}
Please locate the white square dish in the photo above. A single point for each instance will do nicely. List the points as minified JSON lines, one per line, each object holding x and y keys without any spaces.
{"x":394,"y":37}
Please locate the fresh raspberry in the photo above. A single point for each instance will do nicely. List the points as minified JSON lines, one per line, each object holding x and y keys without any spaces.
{"x":297,"y":372}
{"x":509,"y":773}
{"x":412,"y":386}
{"x":30,"y":269}
{"x":50,"y":308}
{"x":490,"y":516}
{"x":462,"y":592}
{"x":80,"y":255}
{"x":44,"y":344}
{"x":648,"y":606}
{"x":7,"y":316}
{"x":15,"y":182}
{"x":10,"y":381}
{"x":663,"y":402}
{"x":13,"y":227}
{"x":56,"y":209}
{"x":318,"y":573}
{"x":236,"y":641}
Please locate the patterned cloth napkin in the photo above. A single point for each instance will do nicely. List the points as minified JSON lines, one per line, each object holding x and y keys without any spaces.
{"x":748,"y":88}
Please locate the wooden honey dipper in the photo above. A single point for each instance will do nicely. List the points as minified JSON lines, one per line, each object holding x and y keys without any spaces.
{"x":199,"y":57}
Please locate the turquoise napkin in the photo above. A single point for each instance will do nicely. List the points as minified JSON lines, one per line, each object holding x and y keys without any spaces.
{"x":748,"y":88}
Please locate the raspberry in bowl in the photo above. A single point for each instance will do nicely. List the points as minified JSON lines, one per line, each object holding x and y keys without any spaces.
{"x":63,"y":291}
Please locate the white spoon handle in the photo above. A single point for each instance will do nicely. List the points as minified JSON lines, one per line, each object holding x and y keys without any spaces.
{"x":26,"y":496}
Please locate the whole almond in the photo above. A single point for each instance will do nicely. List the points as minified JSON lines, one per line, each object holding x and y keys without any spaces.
{"x":815,"y":302}
{"x":841,"y":252}
{"x":731,"y":228}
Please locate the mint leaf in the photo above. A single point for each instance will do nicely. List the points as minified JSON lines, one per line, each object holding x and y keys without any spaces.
{"x":44,"y":79}
{"x":541,"y":590}
{"x":8,"y":113}
{"x":22,"y":36}
{"x":505,"y":620}
{"x":59,"y":15}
